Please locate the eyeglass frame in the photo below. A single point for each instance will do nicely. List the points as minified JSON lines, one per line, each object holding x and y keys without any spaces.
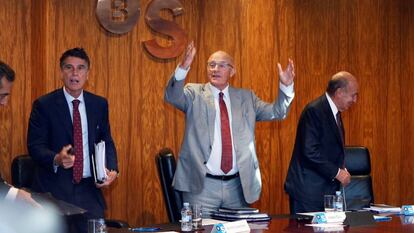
{"x":221,"y":65}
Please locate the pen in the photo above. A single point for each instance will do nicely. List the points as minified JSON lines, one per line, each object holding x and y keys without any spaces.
{"x":145,"y":229}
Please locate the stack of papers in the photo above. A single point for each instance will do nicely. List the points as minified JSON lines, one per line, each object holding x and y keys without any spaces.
{"x":242,"y":210}
{"x":382,"y":208}
{"x":233,"y":214}
{"x":99,"y":163}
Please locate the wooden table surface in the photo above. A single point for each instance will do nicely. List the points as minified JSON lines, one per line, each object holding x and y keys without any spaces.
{"x":285,"y":224}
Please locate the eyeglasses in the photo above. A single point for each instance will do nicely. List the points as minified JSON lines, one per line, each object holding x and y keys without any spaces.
{"x":68,"y":68}
{"x":221,"y":65}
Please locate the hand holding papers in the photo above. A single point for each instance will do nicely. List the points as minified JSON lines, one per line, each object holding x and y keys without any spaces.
{"x":103,"y":177}
{"x":99,"y":163}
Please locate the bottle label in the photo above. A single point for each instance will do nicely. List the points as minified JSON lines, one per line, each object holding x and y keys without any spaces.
{"x":185,"y":218}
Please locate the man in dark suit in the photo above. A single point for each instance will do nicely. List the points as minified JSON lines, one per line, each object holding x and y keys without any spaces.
{"x":218,"y":165}
{"x":317,"y":164}
{"x":8,"y":192}
{"x":64,"y":125}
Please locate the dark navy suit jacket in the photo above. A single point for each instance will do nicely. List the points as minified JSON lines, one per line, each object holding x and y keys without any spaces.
{"x":317,"y":155}
{"x":50,"y":128}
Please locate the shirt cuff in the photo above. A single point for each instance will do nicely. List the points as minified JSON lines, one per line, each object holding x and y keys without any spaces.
{"x":12,"y":194}
{"x":180,"y":73}
{"x":288,"y":90}
{"x":55,"y":166}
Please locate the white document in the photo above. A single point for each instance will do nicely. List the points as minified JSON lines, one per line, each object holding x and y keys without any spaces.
{"x":382,"y":208}
{"x":99,"y":163}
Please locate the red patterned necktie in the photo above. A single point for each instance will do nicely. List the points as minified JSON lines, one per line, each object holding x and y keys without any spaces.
{"x":77,"y":143}
{"x":227,"y":152}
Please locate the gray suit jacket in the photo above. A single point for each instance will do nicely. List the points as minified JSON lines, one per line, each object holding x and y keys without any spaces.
{"x":197,"y":102}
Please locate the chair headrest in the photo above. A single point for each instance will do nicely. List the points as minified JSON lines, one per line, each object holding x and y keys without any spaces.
{"x":165,"y":152}
{"x":22,"y":170}
{"x":357,"y":160}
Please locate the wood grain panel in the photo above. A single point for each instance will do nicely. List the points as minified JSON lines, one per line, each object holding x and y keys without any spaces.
{"x":373,"y":39}
{"x":15,"y":51}
{"x":406,"y":11}
{"x":260,"y":42}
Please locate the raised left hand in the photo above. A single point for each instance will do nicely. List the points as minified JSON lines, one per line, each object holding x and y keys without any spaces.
{"x":286,"y":76}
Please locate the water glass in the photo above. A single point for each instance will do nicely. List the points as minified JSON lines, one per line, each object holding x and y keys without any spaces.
{"x":96,"y":226}
{"x":328,"y":202}
{"x":197,"y":216}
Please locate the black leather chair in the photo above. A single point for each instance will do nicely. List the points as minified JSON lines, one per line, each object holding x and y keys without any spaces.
{"x":173,"y":199}
{"x":22,"y":171}
{"x":359,"y":193}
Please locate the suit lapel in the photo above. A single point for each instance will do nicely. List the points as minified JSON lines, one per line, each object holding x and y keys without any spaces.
{"x":211,"y":110}
{"x":236,"y":114}
{"x":331,"y":119}
{"x":91,"y":117}
{"x":63,"y":112}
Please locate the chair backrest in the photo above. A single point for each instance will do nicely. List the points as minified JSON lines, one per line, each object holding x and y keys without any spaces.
{"x":114,"y":223}
{"x":22,"y":171}
{"x":166,"y":168}
{"x":359,"y":193}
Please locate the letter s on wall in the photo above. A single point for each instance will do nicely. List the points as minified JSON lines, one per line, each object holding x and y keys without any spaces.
{"x":166,"y":27}
{"x":118,"y":16}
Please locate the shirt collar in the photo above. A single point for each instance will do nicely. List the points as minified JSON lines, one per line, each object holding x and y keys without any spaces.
{"x":216,"y":91}
{"x":332,"y":104}
{"x":70,"y":98}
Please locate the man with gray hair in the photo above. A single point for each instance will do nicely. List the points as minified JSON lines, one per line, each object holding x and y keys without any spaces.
{"x":317,"y":165}
{"x":218,"y":165}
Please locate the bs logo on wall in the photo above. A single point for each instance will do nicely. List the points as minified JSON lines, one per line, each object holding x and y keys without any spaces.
{"x":121,"y":16}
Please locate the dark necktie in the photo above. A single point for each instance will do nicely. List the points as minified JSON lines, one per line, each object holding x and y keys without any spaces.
{"x":77,"y":143}
{"x":227,"y":152}
{"x":340,"y":127}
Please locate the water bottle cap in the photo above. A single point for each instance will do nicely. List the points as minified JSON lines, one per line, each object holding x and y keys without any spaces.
{"x":186,"y":204}
{"x":338,"y":192}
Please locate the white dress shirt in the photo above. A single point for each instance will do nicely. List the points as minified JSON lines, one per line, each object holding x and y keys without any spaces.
{"x":84,"y":122}
{"x":12,"y":194}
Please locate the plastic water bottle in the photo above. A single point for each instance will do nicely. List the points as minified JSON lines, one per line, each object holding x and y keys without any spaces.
{"x":339,"y":201}
{"x":186,"y":217}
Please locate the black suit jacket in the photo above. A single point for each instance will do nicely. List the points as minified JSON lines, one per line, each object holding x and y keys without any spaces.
{"x":317,"y":155}
{"x":50,"y":128}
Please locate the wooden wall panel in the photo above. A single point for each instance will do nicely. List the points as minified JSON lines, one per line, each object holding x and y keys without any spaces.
{"x":373,"y":39}
{"x":257,"y":40}
{"x":405,"y":175}
{"x":15,"y":27}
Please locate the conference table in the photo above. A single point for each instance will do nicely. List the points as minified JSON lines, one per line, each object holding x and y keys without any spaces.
{"x":284,"y":223}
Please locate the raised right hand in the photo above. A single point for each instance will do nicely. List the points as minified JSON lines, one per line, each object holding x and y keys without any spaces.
{"x":189,"y":56}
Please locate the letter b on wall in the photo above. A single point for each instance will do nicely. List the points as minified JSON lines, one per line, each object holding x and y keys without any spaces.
{"x":118,"y":16}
